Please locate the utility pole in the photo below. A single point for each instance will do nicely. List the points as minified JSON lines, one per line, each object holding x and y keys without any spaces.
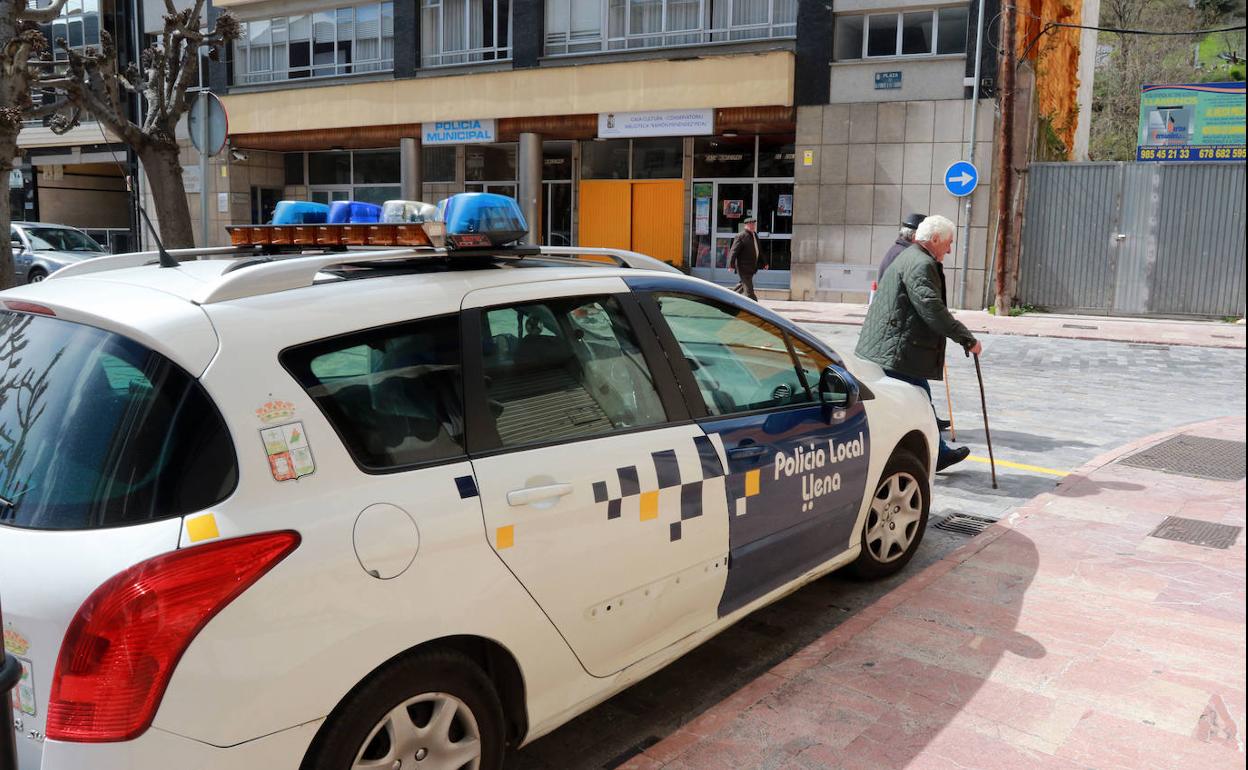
{"x":1005,"y":155}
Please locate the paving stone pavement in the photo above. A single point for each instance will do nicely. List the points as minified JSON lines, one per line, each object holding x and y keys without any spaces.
{"x":1053,"y":403}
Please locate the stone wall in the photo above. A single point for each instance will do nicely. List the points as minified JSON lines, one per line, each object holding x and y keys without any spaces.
{"x":873,"y":163}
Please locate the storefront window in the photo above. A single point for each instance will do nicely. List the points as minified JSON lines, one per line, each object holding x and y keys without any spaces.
{"x":718,"y":156}
{"x":605,"y":159}
{"x":376,"y":166}
{"x":490,"y":162}
{"x":775,"y":156}
{"x":294,"y":168}
{"x":329,"y":168}
{"x":437,"y":164}
{"x":658,"y":158}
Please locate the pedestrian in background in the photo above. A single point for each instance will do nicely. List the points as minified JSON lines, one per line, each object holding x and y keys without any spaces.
{"x":906,"y":326}
{"x":743,"y":257}
{"x":905,"y":237}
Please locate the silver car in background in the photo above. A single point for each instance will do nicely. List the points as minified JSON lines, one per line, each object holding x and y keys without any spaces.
{"x":40,"y":250}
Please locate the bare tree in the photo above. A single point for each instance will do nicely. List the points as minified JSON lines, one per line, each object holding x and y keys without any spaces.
{"x":97,"y":83}
{"x":20,"y":42}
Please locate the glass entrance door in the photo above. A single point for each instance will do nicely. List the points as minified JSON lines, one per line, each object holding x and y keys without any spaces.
{"x":557,"y":213}
{"x":719,"y":208}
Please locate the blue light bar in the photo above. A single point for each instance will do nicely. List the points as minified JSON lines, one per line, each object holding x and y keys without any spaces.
{"x":481,"y":220}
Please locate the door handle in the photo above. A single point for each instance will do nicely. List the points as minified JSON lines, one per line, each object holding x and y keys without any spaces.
{"x":530,"y":495}
{"x":752,"y":450}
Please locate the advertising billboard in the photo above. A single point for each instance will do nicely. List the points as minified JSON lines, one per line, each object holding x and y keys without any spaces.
{"x":1191,"y":122}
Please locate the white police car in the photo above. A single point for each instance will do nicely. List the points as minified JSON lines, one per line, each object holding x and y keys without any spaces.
{"x":407,"y":508}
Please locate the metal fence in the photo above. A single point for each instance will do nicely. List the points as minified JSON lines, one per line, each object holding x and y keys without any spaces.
{"x":1135,"y":239}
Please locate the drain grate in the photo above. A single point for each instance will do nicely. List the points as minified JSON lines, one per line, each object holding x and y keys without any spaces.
{"x":1162,"y":348}
{"x":1196,"y":532}
{"x":1182,"y":455}
{"x":964,"y":523}
{"x":1078,"y":326}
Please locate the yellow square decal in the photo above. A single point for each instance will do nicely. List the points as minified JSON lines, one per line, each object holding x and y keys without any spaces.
{"x":505,"y":537}
{"x":649,"y":505}
{"x":202,"y":528}
{"x":751,"y":482}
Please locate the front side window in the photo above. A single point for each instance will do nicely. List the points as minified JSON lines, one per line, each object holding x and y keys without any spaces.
{"x":564,"y":369}
{"x":740,"y":362}
{"x":939,"y":31}
{"x":392,"y":394}
{"x":62,"y":239}
{"x":464,"y":31}
{"x":342,"y":41}
{"x":97,"y":430}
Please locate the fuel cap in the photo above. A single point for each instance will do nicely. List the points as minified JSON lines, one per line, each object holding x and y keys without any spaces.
{"x":386,"y":540}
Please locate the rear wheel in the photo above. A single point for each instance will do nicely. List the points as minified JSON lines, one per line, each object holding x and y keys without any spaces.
{"x":434,"y":710}
{"x":898,"y":517}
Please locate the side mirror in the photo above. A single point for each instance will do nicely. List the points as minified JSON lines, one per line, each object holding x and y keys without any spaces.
{"x":838,"y":389}
{"x":16,"y":246}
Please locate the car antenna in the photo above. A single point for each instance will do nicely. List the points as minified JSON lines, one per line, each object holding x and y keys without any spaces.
{"x":166,"y":259}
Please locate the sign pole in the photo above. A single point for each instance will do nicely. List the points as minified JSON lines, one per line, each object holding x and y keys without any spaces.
{"x":203,"y":169}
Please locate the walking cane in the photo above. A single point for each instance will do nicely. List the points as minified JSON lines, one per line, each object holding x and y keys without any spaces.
{"x":992,"y":461}
{"x":953,"y":432}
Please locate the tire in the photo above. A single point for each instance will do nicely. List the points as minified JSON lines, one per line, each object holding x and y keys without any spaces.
{"x":35,"y":275}
{"x":362,"y":730}
{"x":894,"y":525}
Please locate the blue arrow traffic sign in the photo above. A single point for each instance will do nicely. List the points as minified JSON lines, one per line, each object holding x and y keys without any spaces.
{"x":961,"y":178}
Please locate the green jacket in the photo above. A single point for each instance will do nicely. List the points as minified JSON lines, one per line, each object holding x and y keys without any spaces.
{"x":908,"y":320}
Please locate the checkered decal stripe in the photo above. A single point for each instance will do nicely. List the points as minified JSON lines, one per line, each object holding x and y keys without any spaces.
{"x":667,"y":474}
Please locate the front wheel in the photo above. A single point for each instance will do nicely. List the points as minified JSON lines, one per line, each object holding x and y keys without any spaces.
{"x":35,"y":276}
{"x":434,"y":710}
{"x":898,"y":517}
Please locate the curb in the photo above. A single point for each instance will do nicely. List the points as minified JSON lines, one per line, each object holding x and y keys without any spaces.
{"x":719,"y":715}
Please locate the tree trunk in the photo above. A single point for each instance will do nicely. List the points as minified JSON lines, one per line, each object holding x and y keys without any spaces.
{"x":164,"y":175}
{"x":1005,"y":157}
{"x":8,"y":151}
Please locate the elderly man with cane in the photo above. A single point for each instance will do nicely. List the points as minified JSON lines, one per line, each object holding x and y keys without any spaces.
{"x":907,"y":324}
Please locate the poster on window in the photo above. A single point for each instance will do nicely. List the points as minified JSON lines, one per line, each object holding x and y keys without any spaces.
{"x":784,"y":206}
{"x":734,"y":209}
{"x":702,"y":216}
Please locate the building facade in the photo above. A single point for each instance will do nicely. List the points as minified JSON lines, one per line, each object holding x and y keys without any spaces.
{"x":654,"y":125}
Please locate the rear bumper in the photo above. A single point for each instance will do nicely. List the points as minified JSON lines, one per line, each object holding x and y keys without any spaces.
{"x":160,"y":750}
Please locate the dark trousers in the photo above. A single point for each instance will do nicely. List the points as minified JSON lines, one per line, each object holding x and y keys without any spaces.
{"x":927,"y":388}
{"x":746,"y":285}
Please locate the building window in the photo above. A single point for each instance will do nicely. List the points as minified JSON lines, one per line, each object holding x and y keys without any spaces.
{"x":343,"y":41}
{"x":464,"y":31}
{"x":933,"y":32}
{"x":437,"y":164}
{"x":583,"y":26}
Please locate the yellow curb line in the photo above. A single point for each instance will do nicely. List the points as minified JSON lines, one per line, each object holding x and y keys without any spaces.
{"x":1020,"y":466}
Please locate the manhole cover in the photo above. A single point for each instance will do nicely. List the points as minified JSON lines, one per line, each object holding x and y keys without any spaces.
{"x":1205,"y":458}
{"x":964,"y":523}
{"x":1196,"y":532}
{"x":1078,"y":326}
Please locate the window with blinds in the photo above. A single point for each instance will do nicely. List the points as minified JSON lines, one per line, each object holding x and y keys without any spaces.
{"x":342,"y":41}
{"x":585,"y":26}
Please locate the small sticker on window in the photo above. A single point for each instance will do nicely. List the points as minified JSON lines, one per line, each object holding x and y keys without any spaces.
{"x":290,"y":455}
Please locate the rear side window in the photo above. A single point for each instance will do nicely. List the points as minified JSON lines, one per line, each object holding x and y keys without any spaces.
{"x":97,"y":430}
{"x":392,"y":394}
{"x":564,"y":369}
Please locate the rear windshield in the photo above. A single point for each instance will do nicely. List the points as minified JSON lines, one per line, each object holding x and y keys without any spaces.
{"x":97,"y":430}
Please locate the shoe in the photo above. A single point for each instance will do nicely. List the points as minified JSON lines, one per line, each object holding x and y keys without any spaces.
{"x":952,"y":457}
{"x":943,"y":424}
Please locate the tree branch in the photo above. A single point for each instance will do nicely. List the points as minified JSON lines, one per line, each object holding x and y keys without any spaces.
{"x":42,"y":15}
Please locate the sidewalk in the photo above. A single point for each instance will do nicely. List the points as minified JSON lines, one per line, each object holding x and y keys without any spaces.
{"x":1210,"y":334}
{"x":1064,"y":637}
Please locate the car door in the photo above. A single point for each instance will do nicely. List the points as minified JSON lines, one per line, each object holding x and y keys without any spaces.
{"x":599,"y":493}
{"x":797,"y":467}
{"x":22,"y":254}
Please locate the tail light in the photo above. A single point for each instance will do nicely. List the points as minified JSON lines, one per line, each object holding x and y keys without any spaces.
{"x":127,"y":637}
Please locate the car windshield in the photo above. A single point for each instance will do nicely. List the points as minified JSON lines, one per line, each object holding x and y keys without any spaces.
{"x":97,"y":430}
{"x":61,"y":239}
